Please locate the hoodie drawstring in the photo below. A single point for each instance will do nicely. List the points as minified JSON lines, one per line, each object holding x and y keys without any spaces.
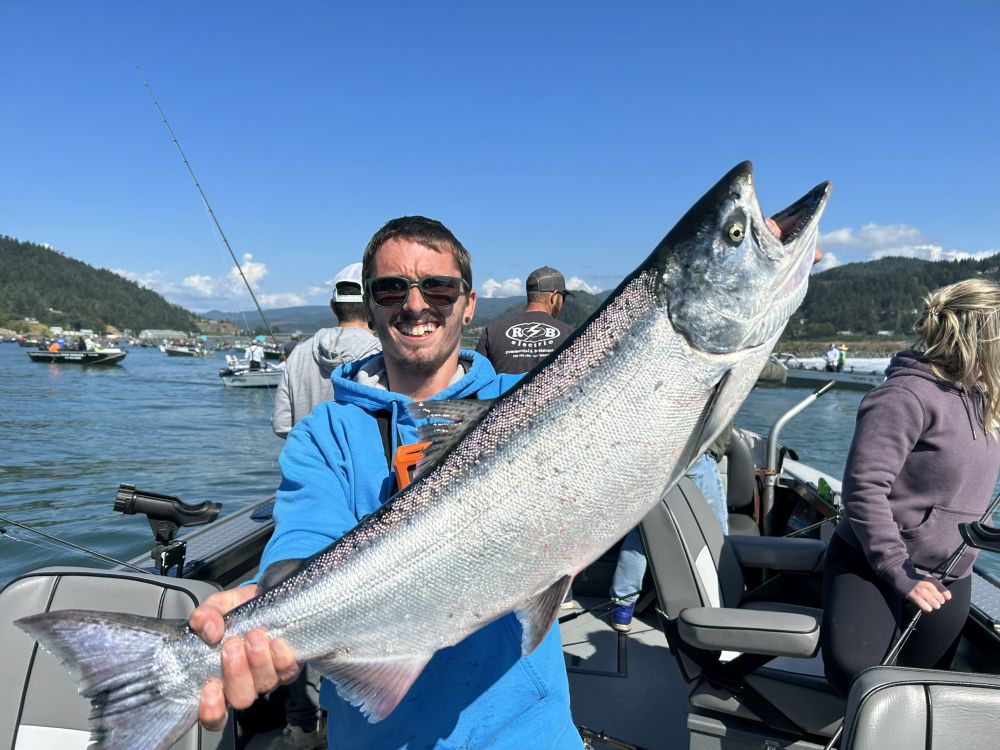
{"x":968,"y":414}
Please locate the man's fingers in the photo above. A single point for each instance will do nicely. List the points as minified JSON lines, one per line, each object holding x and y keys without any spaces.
{"x":237,"y":681}
{"x":206,"y":620}
{"x":261,"y":665}
{"x":212,"y":711}
{"x":284,"y":660}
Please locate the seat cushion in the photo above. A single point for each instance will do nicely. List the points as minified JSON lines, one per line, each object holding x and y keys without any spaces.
{"x":40,"y":704}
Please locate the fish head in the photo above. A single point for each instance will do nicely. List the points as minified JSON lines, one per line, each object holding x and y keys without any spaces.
{"x":729,"y":282}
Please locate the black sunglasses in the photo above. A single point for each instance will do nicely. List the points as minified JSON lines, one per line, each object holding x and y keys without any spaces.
{"x":438,"y":291}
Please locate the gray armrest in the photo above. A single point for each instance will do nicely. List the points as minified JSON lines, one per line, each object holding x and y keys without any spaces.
{"x":777,"y":553}
{"x":758,"y":628}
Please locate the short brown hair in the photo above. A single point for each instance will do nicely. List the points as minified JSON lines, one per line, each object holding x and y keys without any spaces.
{"x":427,"y":232}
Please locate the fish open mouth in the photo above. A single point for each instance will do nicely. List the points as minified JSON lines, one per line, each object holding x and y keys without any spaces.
{"x":793,"y":220}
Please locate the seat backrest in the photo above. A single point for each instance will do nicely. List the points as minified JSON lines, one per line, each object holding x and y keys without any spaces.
{"x":922,"y":709}
{"x":740,"y":474}
{"x":40,"y":707}
{"x":689,"y":560}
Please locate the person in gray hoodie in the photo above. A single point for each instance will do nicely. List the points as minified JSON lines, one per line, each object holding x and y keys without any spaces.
{"x":924,"y":458}
{"x":306,"y":381}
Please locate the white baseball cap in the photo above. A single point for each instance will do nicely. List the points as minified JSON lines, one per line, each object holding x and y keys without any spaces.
{"x":347,"y":284}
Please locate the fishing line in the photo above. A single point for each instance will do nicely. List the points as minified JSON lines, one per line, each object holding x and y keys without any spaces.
{"x":208,"y":206}
{"x":66,"y":543}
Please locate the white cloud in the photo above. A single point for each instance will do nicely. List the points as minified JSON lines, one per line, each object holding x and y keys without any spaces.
{"x":283,"y":299}
{"x":575,"y":283}
{"x":515,"y":287}
{"x":200,"y":292}
{"x":873,"y":237}
{"x":898,"y":240}
{"x":507,"y":288}
{"x":931,"y":252}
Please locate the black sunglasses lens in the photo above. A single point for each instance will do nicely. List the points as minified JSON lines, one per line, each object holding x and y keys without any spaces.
{"x":440,"y":290}
{"x":389,"y":291}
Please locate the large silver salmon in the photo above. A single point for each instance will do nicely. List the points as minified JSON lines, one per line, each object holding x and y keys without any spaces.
{"x":593,"y":436}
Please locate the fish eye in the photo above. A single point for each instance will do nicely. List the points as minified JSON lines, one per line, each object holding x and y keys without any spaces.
{"x":736,"y":232}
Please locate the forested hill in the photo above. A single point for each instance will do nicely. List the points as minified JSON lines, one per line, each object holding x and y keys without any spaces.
{"x":879,"y":295}
{"x":37,"y":282}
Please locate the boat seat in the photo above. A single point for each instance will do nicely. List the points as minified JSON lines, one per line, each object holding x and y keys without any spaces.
{"x":922,"y":709}
{"x":40,"y":708}
{"x":740,"y":481}
{"x":754,"y":665}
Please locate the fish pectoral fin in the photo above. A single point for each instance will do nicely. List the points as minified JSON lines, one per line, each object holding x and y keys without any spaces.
{"x":539,"y":612}
{"x":277,"y":572}
{"x":447,"y":422}
{"x":376,"y":686}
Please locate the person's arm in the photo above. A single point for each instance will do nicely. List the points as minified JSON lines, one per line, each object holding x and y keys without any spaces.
{"x":889,"y":423}
{"x":281,"y":417}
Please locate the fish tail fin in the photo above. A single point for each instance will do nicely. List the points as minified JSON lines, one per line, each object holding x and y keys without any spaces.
{"x":111,"y":657}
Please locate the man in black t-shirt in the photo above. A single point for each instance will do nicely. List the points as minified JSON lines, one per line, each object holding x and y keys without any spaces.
{"x":519,"y":342}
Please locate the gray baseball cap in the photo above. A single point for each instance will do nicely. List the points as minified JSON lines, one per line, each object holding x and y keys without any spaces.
{"x":546,"y":279}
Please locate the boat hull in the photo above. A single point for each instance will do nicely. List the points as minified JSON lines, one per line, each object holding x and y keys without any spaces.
{"x":91,"y":358}
{"x":252,"y":379}
{"x":863,"y":381}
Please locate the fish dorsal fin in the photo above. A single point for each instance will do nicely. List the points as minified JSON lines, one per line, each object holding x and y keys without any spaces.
{"x":277,"y":572}
{"x":449,"y":421}
{"x":376,"y":686}
{"x":539,"y":612}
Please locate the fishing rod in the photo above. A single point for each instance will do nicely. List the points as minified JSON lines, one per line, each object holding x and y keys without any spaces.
{"x":208,"y":206}
{"x":93,"y":553}
{"x":897,"y":647}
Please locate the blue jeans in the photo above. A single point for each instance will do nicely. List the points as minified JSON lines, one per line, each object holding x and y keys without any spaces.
{"x":631,"y":567}
{"x":705,"y":474}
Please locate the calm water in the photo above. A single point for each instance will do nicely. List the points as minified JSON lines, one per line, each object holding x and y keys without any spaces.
{"x":70,"y":435}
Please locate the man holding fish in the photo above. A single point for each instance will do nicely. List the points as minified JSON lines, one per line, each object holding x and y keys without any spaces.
{"x":481,"y":691}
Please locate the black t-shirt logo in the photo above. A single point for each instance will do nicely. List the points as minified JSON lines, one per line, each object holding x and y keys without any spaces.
{"x":533,"y":334}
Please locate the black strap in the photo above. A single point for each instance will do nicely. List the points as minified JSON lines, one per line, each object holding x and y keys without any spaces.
{"x":384,"y":419}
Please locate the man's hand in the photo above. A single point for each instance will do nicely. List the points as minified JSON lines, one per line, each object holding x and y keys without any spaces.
{"x":928,"y":596}
{"x":250,"y":666}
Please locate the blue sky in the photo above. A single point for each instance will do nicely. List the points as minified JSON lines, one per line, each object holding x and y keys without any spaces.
{"x":572,"y":134}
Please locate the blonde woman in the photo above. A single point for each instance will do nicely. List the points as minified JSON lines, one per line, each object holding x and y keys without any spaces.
{"x":924,"y":458}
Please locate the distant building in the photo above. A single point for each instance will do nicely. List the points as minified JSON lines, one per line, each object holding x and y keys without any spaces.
{"x":156,"y":334}
{"x":886,"y":333}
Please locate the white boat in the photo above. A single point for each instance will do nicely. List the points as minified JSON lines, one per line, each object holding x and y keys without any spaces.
{"x":183,"y":350}
{"x":237,"y":374}
{"x":847,"y":378}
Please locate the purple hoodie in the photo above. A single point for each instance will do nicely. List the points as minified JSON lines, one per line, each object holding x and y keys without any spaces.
{"x":921,"y":463}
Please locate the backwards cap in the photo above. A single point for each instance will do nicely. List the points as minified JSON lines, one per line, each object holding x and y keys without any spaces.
{"x":347,"y":284}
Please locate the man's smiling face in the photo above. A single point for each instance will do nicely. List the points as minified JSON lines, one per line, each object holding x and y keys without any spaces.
{"x":417,"y":337}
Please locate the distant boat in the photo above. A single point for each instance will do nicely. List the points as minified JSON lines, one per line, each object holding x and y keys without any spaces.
{"x":237,"y":374}
{"x":850,"y":377}
{"x":72,"y":356}
{"x":186,"y":351}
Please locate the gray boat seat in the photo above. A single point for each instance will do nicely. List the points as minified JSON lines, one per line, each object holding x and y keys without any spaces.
{"x":40,"y":708}
{"x":750,"y":662}
{"x":740,"y":481}
{"x":922,"y":709}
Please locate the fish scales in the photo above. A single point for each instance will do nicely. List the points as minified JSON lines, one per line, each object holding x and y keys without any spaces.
{"x":540,"y":484}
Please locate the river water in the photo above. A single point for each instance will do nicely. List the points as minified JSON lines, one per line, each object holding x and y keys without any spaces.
{"x":70,"y":435}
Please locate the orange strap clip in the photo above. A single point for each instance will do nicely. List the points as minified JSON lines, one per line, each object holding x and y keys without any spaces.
{"x":405,"y":461}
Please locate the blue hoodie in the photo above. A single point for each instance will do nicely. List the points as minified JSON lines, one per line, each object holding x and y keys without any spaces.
{"x":479,"y":693}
